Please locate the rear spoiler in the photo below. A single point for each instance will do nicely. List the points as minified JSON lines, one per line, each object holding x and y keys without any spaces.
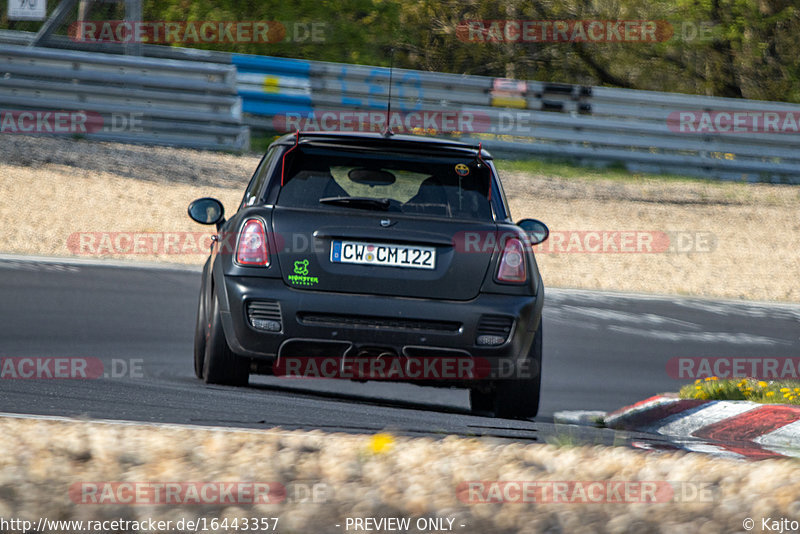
{"x":283,"y":159}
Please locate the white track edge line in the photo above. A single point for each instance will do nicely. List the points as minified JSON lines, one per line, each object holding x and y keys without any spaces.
{"x":67,"y":260}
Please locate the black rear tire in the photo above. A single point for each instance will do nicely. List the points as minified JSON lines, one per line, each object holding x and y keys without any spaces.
{"x":200,"y":329}
{"x":221,"y":365}
{"x":516,"y":398}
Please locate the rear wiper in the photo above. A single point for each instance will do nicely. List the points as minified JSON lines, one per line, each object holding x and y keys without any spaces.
{"x":365,"y":203}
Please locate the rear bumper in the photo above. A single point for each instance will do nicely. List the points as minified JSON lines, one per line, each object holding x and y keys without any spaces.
{"x":432,"y":332}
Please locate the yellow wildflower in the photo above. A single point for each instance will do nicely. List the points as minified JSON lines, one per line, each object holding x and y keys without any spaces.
{"x":381,"y":442}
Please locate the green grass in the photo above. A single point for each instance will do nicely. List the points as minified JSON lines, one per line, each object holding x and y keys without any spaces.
{"x":571,"y":436}
{"x":260,"y":143}
{"x":570,"y":169}
{"x":751,"y":389}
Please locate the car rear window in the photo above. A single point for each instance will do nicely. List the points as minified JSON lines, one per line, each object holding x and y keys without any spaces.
{"x":454,"y":187}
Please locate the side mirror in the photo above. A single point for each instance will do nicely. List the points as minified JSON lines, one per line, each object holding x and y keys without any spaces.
{"x":537,"y":231}
{"x":207,"y":211}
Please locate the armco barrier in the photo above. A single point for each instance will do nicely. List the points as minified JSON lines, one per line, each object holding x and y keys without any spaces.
{"x":589,"y":124}
{"x":594,"y":125}
{"x":140,"y":100}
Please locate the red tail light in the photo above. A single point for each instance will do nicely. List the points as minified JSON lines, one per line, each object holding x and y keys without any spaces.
{"x":512,"y":263}
{"x":252,"y":249}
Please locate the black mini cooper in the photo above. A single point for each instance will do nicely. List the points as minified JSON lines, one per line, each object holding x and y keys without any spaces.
{"x":374,"y":257}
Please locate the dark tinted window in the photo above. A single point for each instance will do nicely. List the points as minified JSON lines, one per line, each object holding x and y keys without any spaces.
{"x":450,"y":187}
{"x":259,"y":178}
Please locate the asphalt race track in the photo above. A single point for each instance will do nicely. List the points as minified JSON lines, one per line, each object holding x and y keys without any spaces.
{"x":601,"y":350}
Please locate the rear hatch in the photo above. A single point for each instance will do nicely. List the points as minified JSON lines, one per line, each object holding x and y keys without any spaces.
{"x":384,"y":224}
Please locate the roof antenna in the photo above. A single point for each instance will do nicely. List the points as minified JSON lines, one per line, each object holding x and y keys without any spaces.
{"x":388,"y":131}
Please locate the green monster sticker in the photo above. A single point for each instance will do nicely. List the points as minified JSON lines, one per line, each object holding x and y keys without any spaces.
{"x":301,"y":267}
{"x":300,"y":276}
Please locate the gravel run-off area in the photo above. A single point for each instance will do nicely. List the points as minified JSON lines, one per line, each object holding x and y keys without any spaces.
{"x":45,"y":467}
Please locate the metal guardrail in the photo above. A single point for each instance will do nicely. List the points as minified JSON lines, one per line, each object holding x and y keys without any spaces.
{"x":593,"y":125}
{"x":137,"y":100}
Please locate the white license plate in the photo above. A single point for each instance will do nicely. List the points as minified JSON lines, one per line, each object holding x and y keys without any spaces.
{"x":383,"y":254}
